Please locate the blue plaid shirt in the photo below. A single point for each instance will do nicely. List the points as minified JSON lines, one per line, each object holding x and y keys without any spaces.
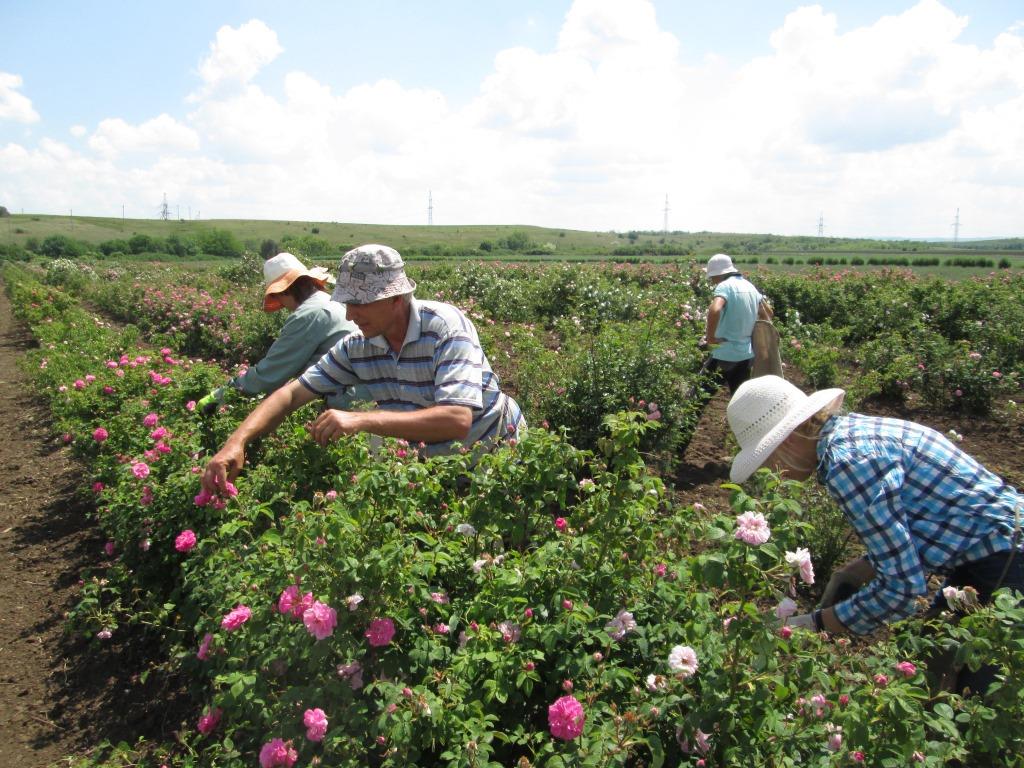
{"x":919,"y":505}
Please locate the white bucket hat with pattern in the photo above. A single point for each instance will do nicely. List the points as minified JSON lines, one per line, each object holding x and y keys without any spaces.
{"x":764,"y":412}
{"x":720,"y":264}
{"x":370,"y":273}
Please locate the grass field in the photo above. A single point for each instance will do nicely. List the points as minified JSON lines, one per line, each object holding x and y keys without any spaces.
{"x":547,"y":244}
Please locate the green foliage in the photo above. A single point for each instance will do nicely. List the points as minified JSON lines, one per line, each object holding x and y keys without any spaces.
{"x":61,"y":247}
{"x":219,"y":242}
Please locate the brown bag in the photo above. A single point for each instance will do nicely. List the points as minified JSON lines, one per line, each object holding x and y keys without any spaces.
{"x":765,"y":340}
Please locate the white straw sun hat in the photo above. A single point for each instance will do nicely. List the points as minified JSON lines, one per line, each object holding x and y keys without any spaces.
{"x":280,"y":272}
{"x":764,"y":412}
{"x":720,"y":264}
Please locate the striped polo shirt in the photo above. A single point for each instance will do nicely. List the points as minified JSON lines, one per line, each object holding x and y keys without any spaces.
{"x":441,"y":362}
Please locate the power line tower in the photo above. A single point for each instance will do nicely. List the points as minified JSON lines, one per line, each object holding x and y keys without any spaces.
{"x":430,"y":207}
{"x":165,"y":211}
{"x":664,"y":224}
{"x":956,"y":227}
{"x":821,"y":225}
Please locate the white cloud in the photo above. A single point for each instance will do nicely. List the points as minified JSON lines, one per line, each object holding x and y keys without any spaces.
{"x":886,"y":129}
{"x":114,"y":137}
{"x":237,"y":55}
{"x":13,"y":105}
{"x":78,"y":131}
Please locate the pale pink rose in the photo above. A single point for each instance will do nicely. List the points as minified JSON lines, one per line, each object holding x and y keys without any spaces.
{"x":278,"y":753}
{"x":104,"y":634}
{"x":621,"y":625}
{"x":190,"y":405}
{"x":786,"y":608}
{"x":683,"y":659}
{"x":236,"y":617}
{"x":140,"y":469}
{"x":801,"y":558}
{"x":439,"y":597}
{"x":510,"y":631}
{"x":185,"y":541}
{"x":566,"y":718}
{"x":209,"y":721}
{"x":331,"y":495}
{"x":353,"y":672}
{"x":835,"y":738}
{"x":752,"y":528}
{"x":79,"y":384}
{"x":906,"y":668}
{"x":881,"y":680}
{"x":315,"y":721}
{"x":380,"y":632}
{"x":320,"y":620}
{"x":353,"y":601}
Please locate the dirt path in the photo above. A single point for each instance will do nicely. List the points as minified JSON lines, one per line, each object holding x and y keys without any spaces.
{"x":59,"y":696}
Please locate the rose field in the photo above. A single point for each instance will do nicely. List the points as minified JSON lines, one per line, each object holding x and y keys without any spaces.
{"x":561,"y":602}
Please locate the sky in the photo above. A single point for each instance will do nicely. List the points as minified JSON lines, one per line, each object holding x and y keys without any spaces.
{"x":874,"y":119}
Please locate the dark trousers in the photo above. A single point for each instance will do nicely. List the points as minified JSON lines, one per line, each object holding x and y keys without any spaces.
{"x":732,"y":372}
{"x":1003,"y":570}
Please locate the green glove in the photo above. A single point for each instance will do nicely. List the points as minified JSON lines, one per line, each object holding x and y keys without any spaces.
{"x":209,"y":403}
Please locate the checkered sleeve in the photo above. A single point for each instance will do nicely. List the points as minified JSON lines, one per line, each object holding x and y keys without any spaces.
{"x":458,"y":372}
{"x":867,"y":487}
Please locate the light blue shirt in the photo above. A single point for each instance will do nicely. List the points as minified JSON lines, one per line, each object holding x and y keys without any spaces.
{"x":315,"y":326}
{"x":736,"y":322}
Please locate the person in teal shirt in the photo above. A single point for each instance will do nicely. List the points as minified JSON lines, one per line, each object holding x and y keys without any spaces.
{"x":734,"y":309}
{"x":315,"y":324}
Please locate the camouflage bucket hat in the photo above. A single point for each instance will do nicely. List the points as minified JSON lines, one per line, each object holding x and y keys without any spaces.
{"x":370,"y":273}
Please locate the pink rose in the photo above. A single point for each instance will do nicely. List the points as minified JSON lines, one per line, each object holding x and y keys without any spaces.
{"x":801,"y":558}
{"x":204,"y":647}
{"x":150,"y":420}
{"x":315,"y":721}
{"x":185,"y":541}
{"x":190,"y":405}
{"x":566,"y":718}
{"x":320,"y":620}
{"x":752,"y":528}
{"x":109,"y":548}
{"x":209,"y":721}
{"x":277,"y":753}
{"x":100,"y":434}
{"x":236,"y":617}
{"x":785,"y":632}
{"x":561,"y":524}
{"x":380,"y":632}
{"x":140,"y":469}
{"x":906,"y":668}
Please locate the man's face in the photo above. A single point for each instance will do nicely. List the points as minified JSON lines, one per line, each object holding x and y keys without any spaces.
{"x":374,"y":318}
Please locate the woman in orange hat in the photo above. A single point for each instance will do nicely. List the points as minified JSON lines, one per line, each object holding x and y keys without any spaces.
{"x":314,"y":325}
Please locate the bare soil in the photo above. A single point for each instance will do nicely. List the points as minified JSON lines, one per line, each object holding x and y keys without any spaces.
{"x":61,"y":695}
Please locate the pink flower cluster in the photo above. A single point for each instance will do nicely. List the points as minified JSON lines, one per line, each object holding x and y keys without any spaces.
{"x":566,"y":718}
{"x":278,"y":753}
{"x":315,"y":721}
{"x":293,"y":603}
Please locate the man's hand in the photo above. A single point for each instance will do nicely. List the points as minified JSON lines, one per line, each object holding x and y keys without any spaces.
{"x":334,"y":424}
{"x":223,"y":468}
{"x":846,"y":581}
{"x":804,"y":621}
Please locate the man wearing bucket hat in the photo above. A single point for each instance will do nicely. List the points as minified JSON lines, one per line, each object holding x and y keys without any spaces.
{"x":421,"y":361}
{"x":315,"y":324}
{"x":919,"y":504}
{"x":735,"y":308}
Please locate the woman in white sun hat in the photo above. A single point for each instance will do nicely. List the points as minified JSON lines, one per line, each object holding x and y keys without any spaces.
{"x":919,"y":504}
{"x":315,"y":324}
